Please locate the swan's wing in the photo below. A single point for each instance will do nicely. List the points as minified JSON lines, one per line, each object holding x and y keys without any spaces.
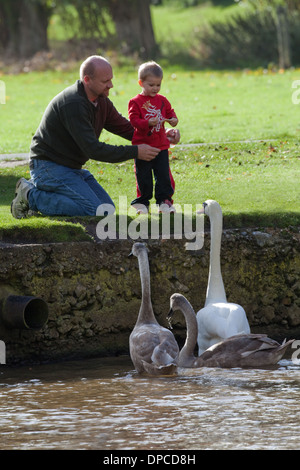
{"x":236,"y":344}
{"x":237,"y":322}
{"x":244,"y":351}
{"x":222,"y":320}
{"x":267,"y":344}
{"x":259,"y":344}
{"x":142,"y":341}
{"x":153,"y":344}
{"x":167,"y":351}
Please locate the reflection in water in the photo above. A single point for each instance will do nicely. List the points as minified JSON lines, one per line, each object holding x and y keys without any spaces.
{"x":103,"y":404}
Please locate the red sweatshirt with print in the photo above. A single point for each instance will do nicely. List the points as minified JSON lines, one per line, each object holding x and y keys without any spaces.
{"x":141,"y":108}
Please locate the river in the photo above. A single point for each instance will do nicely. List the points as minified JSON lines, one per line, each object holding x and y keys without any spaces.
{"x":102,"y":404}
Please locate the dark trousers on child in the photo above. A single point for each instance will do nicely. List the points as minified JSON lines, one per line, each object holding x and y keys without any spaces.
{"x":164,"y":183}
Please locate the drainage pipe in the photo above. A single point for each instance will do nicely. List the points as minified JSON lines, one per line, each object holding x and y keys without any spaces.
{"x":24,"y":312}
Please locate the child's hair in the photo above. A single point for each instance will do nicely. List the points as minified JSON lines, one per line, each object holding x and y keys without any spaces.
{"x":150,"y":68}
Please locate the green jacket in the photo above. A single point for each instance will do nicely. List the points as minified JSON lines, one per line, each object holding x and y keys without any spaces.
{"x":71,"y":126}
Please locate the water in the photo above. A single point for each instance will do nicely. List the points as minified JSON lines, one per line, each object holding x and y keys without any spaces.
{"x":102,"y":404}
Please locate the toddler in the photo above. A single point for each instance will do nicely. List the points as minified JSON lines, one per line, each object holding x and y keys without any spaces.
{"x":148,"y":111}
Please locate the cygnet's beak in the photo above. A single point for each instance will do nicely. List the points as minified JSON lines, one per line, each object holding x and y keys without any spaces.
{"x":169,"y":318}
{"x":171,"y":313}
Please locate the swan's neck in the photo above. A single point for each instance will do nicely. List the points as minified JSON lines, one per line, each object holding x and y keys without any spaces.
{"x":146,"y":313}
{"x":187,"y":351}
{"x":215,"y":288}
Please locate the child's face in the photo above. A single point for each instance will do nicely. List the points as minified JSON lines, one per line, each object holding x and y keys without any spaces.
{"x":151,"y":85}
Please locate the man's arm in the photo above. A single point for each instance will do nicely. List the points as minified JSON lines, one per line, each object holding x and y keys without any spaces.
{"x":79,"y":126}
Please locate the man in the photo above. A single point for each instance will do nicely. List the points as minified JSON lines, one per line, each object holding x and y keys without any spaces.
{"x":67,"y":137}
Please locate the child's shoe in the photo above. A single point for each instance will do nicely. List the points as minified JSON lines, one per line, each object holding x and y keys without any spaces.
{"x":166,"y":207}
{"x":140,"y":208}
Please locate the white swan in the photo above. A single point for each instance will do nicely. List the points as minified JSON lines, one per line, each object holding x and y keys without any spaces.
{"x":153,"y":348}
{"x":245,"y":350}
{"x":218,"y":319}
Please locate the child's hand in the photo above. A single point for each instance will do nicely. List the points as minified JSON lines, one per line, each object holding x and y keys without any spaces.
{"x":153,"y":121}
{"x":173,"y":121}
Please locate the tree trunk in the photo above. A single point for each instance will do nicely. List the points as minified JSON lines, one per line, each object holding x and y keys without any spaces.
{"x":133,"y":23}
{"x":33,"y":28}
{"x":283,"y":38}
{"x":26,"y":23}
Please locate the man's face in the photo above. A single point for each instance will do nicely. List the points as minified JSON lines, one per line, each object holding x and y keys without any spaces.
{"x":100,"y":83}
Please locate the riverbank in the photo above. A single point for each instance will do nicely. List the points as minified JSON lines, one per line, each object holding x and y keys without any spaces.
{"x":93,"y":290}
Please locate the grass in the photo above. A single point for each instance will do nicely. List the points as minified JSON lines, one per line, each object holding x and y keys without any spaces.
{"x":175,"y":26}
{"x":257,"y":185}
{"x":211,"y":106}
{"x":255,"y":181}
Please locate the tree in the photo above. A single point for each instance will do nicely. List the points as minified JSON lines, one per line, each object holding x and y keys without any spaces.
{"x":132,"y":30}
{"x":23,"y":26}
{"x":133,"y":24}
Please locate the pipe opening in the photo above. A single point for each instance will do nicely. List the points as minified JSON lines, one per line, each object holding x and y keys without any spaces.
{"x":35,"y":314}
{"x":25,"y":312}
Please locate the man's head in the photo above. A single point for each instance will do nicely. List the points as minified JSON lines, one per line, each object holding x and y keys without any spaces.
{"x":96,"y":75}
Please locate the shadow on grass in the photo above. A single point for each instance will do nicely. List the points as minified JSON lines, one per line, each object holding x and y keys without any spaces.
{"x":8,"y":185}
{"x":77,"y":229}
{"x":55,"y":232}
{"x":262,"y":220}
{"x":82,"y":229}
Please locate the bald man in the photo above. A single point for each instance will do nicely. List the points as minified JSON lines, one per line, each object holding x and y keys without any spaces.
{"x":67,"y":137}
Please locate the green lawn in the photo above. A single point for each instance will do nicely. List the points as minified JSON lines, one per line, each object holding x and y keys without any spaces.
{"x":211,"y":106}
{"x":256,"y":183}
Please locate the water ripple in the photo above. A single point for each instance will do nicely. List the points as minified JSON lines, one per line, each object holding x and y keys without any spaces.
{"x":103,"y":404}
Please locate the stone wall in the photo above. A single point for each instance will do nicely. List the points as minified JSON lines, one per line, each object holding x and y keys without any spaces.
{"x":93,"y":290}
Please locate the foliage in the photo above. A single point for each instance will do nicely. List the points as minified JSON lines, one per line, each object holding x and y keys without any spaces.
{"x":23,"y":26}
{"x":86,"y":19}
{"x":291,"y":5}
{"x":191,"y":32}
{"x":249,"y":38}
{"x":127,"y":23}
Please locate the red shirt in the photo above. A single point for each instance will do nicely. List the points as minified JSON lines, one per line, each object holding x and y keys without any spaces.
{"x":140,"y":109}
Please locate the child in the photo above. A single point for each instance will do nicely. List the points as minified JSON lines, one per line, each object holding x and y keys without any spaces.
{"x":148,"y":112}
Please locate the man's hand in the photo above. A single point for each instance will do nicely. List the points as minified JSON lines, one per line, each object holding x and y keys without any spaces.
{"x":146,"y":152}
{"x":173,"y":135}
